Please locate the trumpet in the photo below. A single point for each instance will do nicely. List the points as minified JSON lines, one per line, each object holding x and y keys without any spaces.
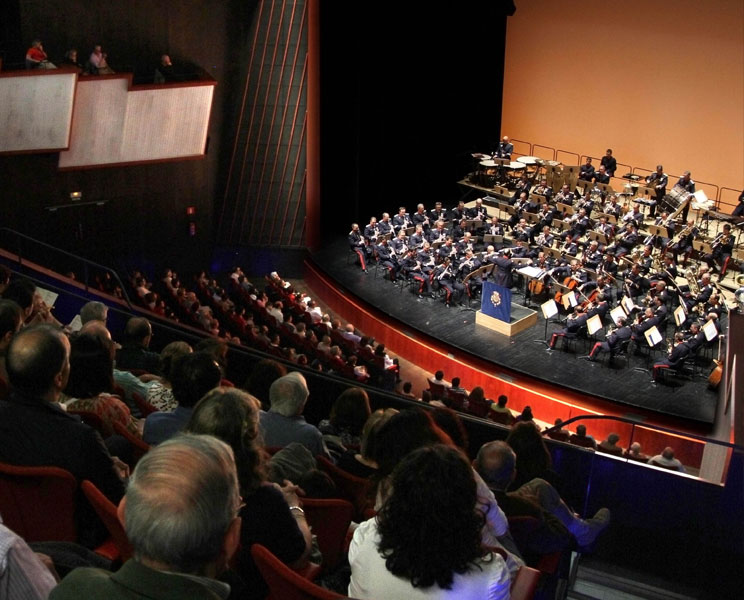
{"x":721,"y":240}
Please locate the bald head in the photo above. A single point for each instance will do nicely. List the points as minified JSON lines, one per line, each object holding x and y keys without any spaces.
{"x":38,"y":361}
{"x":496,"y":464}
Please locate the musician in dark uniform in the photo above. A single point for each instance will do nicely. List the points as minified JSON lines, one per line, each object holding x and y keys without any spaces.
{"x":502,"y":271}
{"x":417,"y":238}
{"x":646,"y":320}
{"x":385,"y":225}
{"x":635,"y":282}
{"x":371,"y":231}
{"x":688,"y":185}
{"x":438,"y":213}
{"x":574,"y":323}
{"x":447,"y":250}
{"x":683,"y":245}
{"x":608,"y":266}
{"x":675,"y":359}
{"x":658,"y":181}
{"x":586,"y":171}
{"x":613,"y":342}
{"x":444,"y":276}
{"x":478,"y":212}
{"x":359,"y":245}
{"x":695,"y":338}
{"x":459,"y":212}
{"x":609,"y":163}
{"x":420,"y":217}
{"x":402,"y":220}
{"x":387,"y":258}
{"x":722,"y":248}
{"x":504,"y":149}
{"x":601,"y":175}
{"x":411,"y":267}
{"x":544,"y":189}
{"x":495,"y":228}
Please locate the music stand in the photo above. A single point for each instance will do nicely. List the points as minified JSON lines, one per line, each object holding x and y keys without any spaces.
{"x":594,"y":324}
{"x":492,"y":239}
{"x":539,"y":197}
{"x":710,"y":330}
{"x":566,"y":208}
{"x":616,"y":313}
{"x":679,"y":315}
{"x":658,"y":230}
{"x":596,"y":236}
{"x":553,"y":252}
{"x":569,"y":300}
{"x":549,"y":309}
{"x":647,"y":191}
{"x":653,"y":337}
{"x":531,"y":217}
{"x":562,"y":225}
{"x":608,"y":217}
{"x":627,"y":304}
{"x":605,"y":187}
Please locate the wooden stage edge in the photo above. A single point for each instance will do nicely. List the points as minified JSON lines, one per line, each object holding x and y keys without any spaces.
{"x":547,"y":401}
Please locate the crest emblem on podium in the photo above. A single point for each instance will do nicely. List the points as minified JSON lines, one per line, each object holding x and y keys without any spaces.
{"x":496,"y":298}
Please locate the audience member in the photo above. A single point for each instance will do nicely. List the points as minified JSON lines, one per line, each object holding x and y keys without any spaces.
{"x":401,"y":553}
{"x":283,"y":423}
{"x":180,"y":514}
{"x":438,"y":385}
{"x":533,"y":458}
{"x":4,"y":278}
{"x":193,"y":376}
{"x":666,"y":460}
{"x":36,"y":58}
{"x":406,"y":390}
{"x":499,"y":408}
{"x":165,"y":71}
{"x":94,"y":311}
{"x":97,"y":63}
{"x":23,"y":576}
{"x":36,"y":431}
{"x":264,"y":373}
{"x":634,"y":453}
{"x":71,"y":60}
{"x":11,"y":321}
{"x":497,"y":465}
{"x":556,"y":432}
{"x":526,"y":415}
{"x":134,"y":353}
{"x":451,"y":423}
{"x":272,"y":515}
{"x":580,"y":438}
{"x":362,"y":463}
{"x":90,"y":384}
{"x":610,"y":445}
{"x":349,"y":413}
{"x":160,"y":394}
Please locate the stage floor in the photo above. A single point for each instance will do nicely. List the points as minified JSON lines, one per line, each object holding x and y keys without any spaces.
{"x":526,"y":352}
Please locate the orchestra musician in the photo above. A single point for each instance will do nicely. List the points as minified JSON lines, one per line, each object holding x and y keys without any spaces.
{"x":586,"y":171}
{"x":459,"y":212}
{"x":658,"y":181}
{"x":402,"y":220}
{"x":469,"y":264}
{"x":420,"y":217}
{"x":523,"y":185}
{"x":444,"y":277}
{"x":613,"y":341}
{"x":645,"y":321}
{"x":579,"y":224}
{"x":565,"y":196}
{"x":605,"y":228}
{"x":592,"y":256}
{"x":544,"y":189}
{"x":448,"y":250}
{"x":546,"y":238}
{"x":466,"y":243}
{"x":459,"y":229}
{"x":371,"y":231}
{"x":695,"y":337}
{"x":477,"y":212}
{"x":721,"y":250}
{"x":574,"y":323}
{"x":677,"y":355}
{"x":426,"y":258}
{"x":359,"y":245}
{"x":495,"y":228}
{"x":504,"y":149}
{"x":568,"y":247}
{"x":519,"y":207}
{"x":683,"y":245}
{"x":546,"y":214}
{"x":385,"y":226}
{"x":612,"y":207}
{"x":438,"y":233}
{"x":386,"y":257}
{"x":522,"y":231}
{"x":601,"y":175}
{"x":608,"y":266}
{"x":609,"y":163}
{"x":635,"y":282}
{"x":417,"y":239}
{"x":626,"y":242}
{"x":410,"y":267}
{"x":438,"y":213}
{"x":399,"y":243}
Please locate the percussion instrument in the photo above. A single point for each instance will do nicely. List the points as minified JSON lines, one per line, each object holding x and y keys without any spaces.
{"x":679,"y":194}
{"x":515,"y":166}
{"x":489,"y":163}
{"x":528,"y":160}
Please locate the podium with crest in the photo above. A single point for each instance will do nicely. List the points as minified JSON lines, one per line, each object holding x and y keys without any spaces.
{"x":500,"y":314}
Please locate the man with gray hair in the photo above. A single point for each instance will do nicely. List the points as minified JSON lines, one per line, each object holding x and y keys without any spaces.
{"x":93,"y":311}
{"x":283,"y":423}
{"x":496,"y":464}
{"x":180,"y":514}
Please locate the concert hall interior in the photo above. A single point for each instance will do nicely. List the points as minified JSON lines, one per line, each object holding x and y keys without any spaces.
{"x":586,"y":160}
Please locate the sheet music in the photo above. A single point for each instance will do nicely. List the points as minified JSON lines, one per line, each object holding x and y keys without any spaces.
{"x":679,"y":315}
{"x":530,"y":271}
{"x":710,"y":330}
{"x":594,"y":324}
{"x":49,"y":297}
{"x":616,"y":313}
{"x":653,"y":336}
{"x":549,"y":309}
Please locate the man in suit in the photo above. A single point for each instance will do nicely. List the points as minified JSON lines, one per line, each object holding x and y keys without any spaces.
{"x":35,"y":431}
{"x":609,"y":163}
{"x":181,"y":515}
{"x":504,"y":149}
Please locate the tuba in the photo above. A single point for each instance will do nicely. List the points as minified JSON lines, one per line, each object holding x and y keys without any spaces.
{"x":692,"y":283}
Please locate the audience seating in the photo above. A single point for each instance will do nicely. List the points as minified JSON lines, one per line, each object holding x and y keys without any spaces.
{"x":455,"y":398}
{"x":106,"y":511}
{"x":505,"y":418}
{"x":329,"y":520}
{"x":143,"y":405}
{"x":525,"y":584}
{"x":38,"y":503}
{"x":438,"y":390}
{"x":91,"y":419}
{"x":283,"y":582}
{"x":478,"y":407}
{"x":139,"y":447}
{"x":355,"y":489}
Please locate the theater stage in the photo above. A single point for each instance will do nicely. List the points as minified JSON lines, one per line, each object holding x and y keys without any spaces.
{"x":525,"y":353}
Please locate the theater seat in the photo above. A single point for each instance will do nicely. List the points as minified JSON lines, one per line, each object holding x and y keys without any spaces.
{"x":106,"y":511}
{"x":329,"y":521}
{"x":139,"y":447}
{"x":355,"y":489}
{"x":38,"y":503}
{"x":283,"y":582}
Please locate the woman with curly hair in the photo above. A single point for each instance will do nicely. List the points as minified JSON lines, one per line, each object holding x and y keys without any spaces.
{"x":272,"y":515}
{"x":533,"y":457}
{"x":425,"y":542}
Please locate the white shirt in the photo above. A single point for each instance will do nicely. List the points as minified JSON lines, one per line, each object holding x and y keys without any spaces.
{"x":371,"y":579}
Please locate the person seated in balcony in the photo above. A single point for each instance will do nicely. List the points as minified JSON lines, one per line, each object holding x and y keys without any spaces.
{"x":36,"y":58}
{"x":533,"y":457}
{"x":71,"y":60}
{"x":558,"y":433}
{"x":634,"y":453}
{"x":496,"y":464}
{"x":666,"y":460}
{"x":438,"y":385}
{"x":499,"y":408}
{"x":343,"y":428}
{"x":610,"y":446}
{"x":580,"y":438}
{"x":165,"y":72}
{"x":97,"y":63}
{"x":360,"y":462}
{"x":525,"y":415}
{"x":160,"y":393}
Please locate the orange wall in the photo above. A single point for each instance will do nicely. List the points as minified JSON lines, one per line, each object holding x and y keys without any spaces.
{"x":659,"y":81}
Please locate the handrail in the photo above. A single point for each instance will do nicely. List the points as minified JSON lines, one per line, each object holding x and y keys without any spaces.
{"x":84,"y":261}
{"x":645,"y":425}
{"x":536,"y":146}
{"x":574,"y":154}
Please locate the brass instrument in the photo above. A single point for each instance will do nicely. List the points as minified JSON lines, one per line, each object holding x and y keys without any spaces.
{"x":721,"y":240}
{"x":692,"y":283}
